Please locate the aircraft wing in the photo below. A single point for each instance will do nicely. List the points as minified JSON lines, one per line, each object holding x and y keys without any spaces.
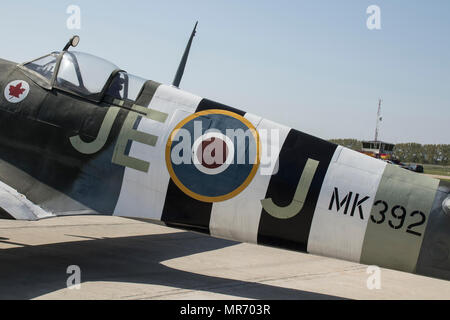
{"x":14,"y":205}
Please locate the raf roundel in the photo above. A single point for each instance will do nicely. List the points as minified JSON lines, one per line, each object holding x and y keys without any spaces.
{"x":16,"y":91}
{"x":213,"y":155}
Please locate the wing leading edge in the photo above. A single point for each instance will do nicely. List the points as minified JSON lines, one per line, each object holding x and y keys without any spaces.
{"x":15,"y":205}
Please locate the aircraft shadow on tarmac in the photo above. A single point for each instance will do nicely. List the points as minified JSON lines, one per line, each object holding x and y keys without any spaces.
{"x":32,"y":271}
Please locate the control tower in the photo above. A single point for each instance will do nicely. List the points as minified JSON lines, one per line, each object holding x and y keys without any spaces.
{"x":378,"y":149}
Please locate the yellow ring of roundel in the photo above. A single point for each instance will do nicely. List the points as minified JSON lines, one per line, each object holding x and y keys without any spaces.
{"x":237,"y":190}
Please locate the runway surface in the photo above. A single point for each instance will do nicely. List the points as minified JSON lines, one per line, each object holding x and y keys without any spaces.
{"x":127,"y":259}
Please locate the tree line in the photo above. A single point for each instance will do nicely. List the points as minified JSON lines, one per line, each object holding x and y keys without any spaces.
{"x":438,"y":154}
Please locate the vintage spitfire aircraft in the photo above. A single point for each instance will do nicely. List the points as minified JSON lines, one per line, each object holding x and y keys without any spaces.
{"x":80,"y":136}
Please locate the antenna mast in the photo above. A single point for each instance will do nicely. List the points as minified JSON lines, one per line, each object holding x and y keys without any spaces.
{"x":182,"y":66}
{"x":379,"y":119}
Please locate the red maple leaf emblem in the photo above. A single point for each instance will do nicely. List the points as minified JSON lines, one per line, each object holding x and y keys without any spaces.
{"x":16,"y":91}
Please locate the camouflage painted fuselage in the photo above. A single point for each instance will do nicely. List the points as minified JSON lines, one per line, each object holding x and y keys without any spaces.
{"x":71,"y":156}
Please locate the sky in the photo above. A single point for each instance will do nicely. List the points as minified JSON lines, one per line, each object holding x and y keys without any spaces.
{"x":313,"y":65}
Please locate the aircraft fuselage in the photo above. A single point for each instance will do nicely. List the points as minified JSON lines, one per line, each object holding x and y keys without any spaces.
{"x":70,"y":155}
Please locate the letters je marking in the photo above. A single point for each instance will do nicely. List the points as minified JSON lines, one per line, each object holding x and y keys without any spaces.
{"x":127,"y":133}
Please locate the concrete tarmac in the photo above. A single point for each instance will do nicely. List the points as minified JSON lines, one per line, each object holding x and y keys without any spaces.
{"x":127,"y":259}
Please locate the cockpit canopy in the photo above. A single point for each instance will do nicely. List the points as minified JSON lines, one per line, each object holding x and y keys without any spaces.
{"x":86,"y":75}
{"x":44,"y":66}
{"x":83,"y":73}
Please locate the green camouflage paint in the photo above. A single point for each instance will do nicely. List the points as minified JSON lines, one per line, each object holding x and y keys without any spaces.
{"x":399,"y":217}
{"x":434,"y":258}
